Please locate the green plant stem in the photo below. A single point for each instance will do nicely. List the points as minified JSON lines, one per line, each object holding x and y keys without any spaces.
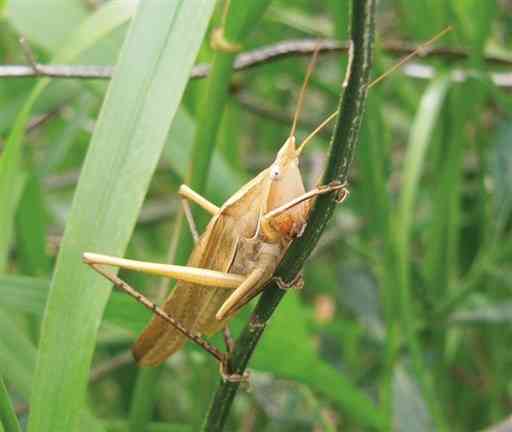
{"x":341,"y":153}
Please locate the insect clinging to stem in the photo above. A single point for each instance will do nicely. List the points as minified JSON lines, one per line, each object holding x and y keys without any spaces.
{"x":236,"y":255}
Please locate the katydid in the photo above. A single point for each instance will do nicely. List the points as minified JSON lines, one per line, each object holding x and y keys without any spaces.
{"x":236,"y":255}
{"x":232,"y":260}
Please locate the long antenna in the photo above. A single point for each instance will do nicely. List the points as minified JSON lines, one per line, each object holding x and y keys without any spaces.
{"x":317,"y":129}
{"x":417,"y":51}
{"x":300,"y":101}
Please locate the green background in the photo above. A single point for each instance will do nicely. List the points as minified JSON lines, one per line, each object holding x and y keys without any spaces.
{"x":406,"y":309}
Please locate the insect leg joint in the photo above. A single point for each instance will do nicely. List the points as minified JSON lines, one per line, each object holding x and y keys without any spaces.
{"x":296,"y":283}
{"x":335,"y":186}
{"x":232,"y":377}
{"x":256,"y":324}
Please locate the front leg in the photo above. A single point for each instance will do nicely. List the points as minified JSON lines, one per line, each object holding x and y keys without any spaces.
{"x":340,"y":189}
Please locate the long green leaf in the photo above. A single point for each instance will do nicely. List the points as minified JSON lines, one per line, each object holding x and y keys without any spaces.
{"x":420,"y":137}
{"x":142,"y":99}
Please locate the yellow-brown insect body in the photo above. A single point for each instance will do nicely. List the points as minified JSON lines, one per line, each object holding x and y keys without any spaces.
{"x":234,"y":241}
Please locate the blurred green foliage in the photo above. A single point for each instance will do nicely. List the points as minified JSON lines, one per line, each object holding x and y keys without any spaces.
{"x":407,"y":298}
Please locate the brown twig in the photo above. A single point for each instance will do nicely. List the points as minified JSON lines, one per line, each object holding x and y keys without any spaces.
{"x":56,"y":71}
{"x":251,"y":59}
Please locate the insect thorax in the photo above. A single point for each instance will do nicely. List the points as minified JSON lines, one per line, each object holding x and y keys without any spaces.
{"x":252,"y":253}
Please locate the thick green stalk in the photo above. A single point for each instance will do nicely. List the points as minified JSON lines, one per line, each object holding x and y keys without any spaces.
{"x":341,"y":153}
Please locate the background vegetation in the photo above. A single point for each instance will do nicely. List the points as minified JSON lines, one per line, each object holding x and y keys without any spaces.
{"x":404,"y":322}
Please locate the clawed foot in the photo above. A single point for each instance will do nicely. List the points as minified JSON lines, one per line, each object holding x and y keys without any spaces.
{"x":296,"y":284}
{"x":341,"y":195}
{"x":232,"y":377}
{"x":340,"y":188}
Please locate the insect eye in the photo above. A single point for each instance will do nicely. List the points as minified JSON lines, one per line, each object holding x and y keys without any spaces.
{"x":275,"y":172}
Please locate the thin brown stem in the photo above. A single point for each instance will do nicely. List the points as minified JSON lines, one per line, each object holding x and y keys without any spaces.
{"x":253,"y":58}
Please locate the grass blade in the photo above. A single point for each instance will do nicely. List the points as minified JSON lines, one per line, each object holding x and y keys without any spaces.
{"x":420,"y":137}
{"x":129,"y":136}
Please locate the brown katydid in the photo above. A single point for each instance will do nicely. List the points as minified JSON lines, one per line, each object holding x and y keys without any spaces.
{"x":233,"y":259}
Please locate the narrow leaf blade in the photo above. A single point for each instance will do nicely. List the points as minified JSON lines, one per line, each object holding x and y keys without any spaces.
{"x":129,"y":136}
